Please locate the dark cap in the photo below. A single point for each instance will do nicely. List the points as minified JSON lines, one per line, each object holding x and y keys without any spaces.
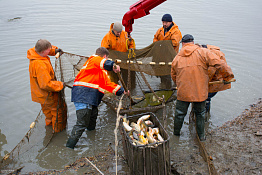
{"x":187,"y":38}
{"x":167,"y":17}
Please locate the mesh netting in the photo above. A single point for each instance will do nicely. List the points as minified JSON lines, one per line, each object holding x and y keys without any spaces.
{"x":153,"y":60}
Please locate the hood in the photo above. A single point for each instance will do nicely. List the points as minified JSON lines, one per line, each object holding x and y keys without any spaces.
{"x":33,"y":55}
{"x":187,"y":49}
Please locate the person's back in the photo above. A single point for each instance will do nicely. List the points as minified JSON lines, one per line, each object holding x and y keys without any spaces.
{"x":189,"y":70}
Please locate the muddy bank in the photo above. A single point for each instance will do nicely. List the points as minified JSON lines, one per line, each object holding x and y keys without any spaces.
{"x":234,"y":147}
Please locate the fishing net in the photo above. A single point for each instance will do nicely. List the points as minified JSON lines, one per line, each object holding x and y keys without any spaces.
{"x":35,"y":140}
{"x":154,"y":60}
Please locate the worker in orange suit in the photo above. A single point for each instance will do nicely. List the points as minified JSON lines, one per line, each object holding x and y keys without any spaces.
{"x":215,"y":75}
{"x":189,"y":70}
{"x":44,"y":87}
{"x":169,"y":31}
{"x":88,"y":90}
{"x":117,"y":39}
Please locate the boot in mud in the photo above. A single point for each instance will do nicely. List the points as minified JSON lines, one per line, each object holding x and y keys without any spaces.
{"x":180,"y":113}
{"x":199,"y":109}
{"x":71,"y":143}
{"x":83,"y":119}
{"x":178,"y":125}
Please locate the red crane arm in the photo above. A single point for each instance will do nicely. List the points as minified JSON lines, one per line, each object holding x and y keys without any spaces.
{"x":138,"y":10}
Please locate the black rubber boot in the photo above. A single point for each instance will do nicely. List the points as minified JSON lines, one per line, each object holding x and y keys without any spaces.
{"x":83,"y":119}
{"x":180,"y":113}
{"x":92,"y":122}
{"x":178,"y":123}
{"x":71,"y":143}
{"x":199,"y":109}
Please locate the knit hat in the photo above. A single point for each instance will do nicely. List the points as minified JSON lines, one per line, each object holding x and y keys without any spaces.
{"x":167,"y":17}
{"x":187,"y":38}
{"x":118,"y":27}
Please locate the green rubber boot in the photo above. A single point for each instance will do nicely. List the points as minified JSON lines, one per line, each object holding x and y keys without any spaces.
{"x":199,"y":109}
{"x":83,"y":119}
{"x":71,"y":143}
{"x":180,"y":113}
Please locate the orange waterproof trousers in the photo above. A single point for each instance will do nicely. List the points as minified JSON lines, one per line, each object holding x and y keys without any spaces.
{"x":54,"y":117}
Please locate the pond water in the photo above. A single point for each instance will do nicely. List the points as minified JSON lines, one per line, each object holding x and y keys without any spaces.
{"x":79,"y":26}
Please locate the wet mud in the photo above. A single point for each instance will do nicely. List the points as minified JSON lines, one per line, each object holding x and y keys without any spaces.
{"x":234,"y":148}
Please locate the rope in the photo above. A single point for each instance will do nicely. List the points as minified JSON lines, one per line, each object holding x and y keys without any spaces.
{"x":116,"y":128}
{"x":94,"y":166}
{"x":208,"y":159}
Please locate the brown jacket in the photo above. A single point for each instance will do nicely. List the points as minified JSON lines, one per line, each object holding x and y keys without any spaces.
{"x":42,"y":77}
{"x":110,"y":41}
{"x":173,"y":34}
{"x":189,"y":71}
{"x":214,"y":74}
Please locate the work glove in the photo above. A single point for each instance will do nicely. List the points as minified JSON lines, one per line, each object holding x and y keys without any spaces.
{"x":59,"y":50}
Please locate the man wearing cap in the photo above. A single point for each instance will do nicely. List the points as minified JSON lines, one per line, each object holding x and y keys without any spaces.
{"x":169,"y":31}
{"x":189,"y":70}
{"x":117,"y":39}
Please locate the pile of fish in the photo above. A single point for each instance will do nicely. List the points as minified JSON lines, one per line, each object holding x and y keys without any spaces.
{"x":143,"y":131}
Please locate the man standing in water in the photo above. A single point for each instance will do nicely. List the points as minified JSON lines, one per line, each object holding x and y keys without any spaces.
{"x":44,"y":87}
{"x":117,"y":39}
{"x":169,"y":31}
{"x":189,"y":70}
{"x":88,"y":90}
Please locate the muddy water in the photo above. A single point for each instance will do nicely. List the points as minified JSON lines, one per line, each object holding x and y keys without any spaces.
{"x":79,"y":26}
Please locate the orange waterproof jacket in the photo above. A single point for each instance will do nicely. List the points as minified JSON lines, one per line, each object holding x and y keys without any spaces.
{"x":189,"y":71}
{"x":92,"y":81}
{"x":110,"y":41}
{"x":215,"y":75}
{"x":173,"y":34}
{"x":42,"y":77}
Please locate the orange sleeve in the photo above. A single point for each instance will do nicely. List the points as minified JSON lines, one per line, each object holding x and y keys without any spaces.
{"x":105,"y":42}
{"x":45,"y":80}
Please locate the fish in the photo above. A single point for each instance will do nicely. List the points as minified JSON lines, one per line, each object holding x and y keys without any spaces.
{"x":150,"y":138}
{"x":127,"y":127}
{"x":149,"y":123}
{"x":144,"y":117}
{"x":142,"y":139}
{"x":135,"y":126}
{"x":125,"y":119}
{"x":156,"y":132}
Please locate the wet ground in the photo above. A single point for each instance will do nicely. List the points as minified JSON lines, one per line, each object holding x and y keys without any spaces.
{"x":234,"y":148}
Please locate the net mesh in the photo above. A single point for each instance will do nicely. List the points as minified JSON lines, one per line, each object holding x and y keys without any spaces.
{"x":154,"y":60}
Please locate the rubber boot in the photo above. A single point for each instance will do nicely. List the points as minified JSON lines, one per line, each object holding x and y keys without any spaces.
{"x":208,"y":103}
{"x":180,"y":113}
{"x":92,"y":122}
{"x":83,"y":118}
{"x":178,"y":123}
{"x":199,"y":109}
{"x":71,"y":143}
